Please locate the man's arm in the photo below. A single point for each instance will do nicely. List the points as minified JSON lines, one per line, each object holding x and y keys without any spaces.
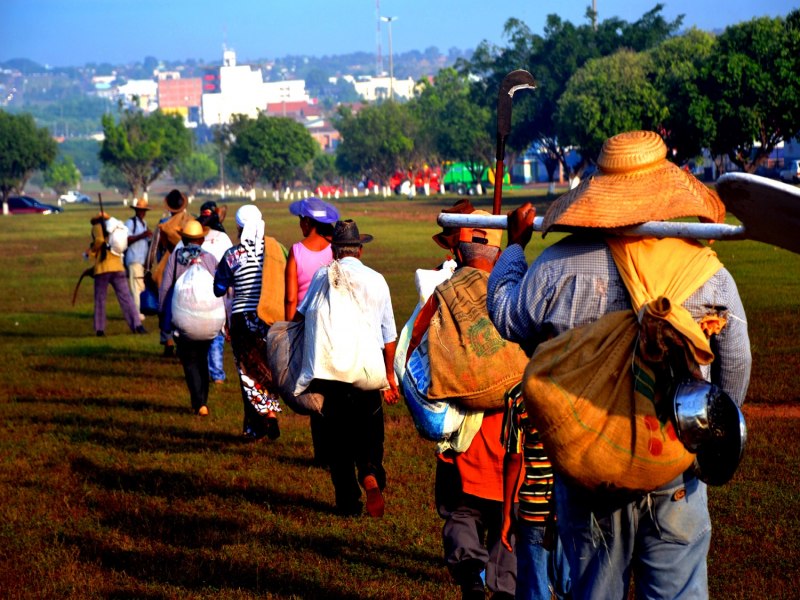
{"x":392,"y":395}
{"x":512,"y":480}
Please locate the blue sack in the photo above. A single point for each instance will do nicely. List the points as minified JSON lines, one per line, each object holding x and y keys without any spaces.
{"x":148,"y":301}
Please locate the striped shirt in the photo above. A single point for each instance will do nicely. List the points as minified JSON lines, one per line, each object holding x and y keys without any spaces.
{"x":238,"y":270}
{"x":575,"y":282}
{"x":519,"y":436}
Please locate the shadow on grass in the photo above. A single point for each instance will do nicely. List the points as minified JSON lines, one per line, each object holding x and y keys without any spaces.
{"x":179,"y":549}
{"x":103,"y":402}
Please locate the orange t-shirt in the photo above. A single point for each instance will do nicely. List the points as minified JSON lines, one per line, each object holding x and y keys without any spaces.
{"x":481,"y":466}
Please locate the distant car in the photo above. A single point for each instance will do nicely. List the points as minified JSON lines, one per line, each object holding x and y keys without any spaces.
{"x":23,"y":205}
{"x":73,"y":196}
{"x":791,"y":172}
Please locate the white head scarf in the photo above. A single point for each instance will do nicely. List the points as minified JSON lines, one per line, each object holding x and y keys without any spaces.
{"x":248,"y":217}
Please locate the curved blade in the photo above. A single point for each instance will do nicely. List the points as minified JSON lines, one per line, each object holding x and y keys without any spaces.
{"x":769,"y":210}
{"x":514,"y":81}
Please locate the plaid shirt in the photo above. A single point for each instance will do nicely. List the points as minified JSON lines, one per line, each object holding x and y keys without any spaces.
{"x":575,"y":282}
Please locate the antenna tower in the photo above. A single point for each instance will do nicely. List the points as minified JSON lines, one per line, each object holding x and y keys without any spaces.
{"x":378,"y":57}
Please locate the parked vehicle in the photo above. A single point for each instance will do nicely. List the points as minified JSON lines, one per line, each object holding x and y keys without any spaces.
{"x":458,"y":179}
{"x":22,"y":205}
{"x":73,"y":196}
{"x":791,"y":172}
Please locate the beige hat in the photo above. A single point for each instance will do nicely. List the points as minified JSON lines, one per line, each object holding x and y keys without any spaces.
{"x":140,"y":204}
{"x":193,"y":230}
{"x":635,"y":183}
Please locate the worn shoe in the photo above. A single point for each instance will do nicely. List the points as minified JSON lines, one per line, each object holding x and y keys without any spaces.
{"x":140,"y":329}
{"x":100,"y":333}
{"x":202,"y":411}
{"x":219,"y":381}
{"x":375,"y":504}
{"x":169,"y":351}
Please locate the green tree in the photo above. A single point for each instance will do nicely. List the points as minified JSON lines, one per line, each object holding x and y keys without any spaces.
{"x":85,"y":155}
{"x":552,"y":59}
{"x":269,"y":148}
{"x":376,"y":142}
{"x":143,"y":146}
{"x":322,"y":169}
{"x":752,"y":83}
{"x":195,"y":170}
{"x":24,"y":148}
{"x":62,"y":175}
{"x":608,"y":96}
{"x":453,"y":126}
{"x":677,"y":65}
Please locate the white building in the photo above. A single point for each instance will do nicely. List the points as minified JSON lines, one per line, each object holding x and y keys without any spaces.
{"x":242,"y":90}
{"x":142,"y":93}
{"x":373,"y":88}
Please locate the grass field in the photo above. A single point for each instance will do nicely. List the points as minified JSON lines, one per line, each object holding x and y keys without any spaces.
{"x":111,"y":488}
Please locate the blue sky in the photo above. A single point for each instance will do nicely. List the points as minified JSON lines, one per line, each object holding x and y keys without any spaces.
{"x":74,"y":32}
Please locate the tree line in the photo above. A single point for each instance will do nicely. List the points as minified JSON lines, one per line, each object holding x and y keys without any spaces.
{"x":734,"y":94}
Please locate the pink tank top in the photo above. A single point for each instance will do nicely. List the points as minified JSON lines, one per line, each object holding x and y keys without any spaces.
{"x":308,"y":262}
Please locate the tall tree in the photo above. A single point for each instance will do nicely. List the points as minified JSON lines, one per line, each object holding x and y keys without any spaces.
{"x":62,"y":175}
{"x":456,"y":128}
{"x":376,"y":142}
{"x":270,"y":148}
{"x":677,"y":66}
{"x":195,"y":170}
{"x":24,"y":148}
{"x":143,"y":146}
{"x":607,"y":96}
{"x":552,"y":59}
{"x":752,"y":82}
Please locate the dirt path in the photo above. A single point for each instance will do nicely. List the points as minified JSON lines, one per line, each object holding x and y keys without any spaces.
{"x":766,"y":411}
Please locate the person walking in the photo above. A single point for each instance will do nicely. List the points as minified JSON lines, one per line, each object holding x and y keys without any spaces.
{"x":217,"y":243}
{"x":136,"y":254}
{"x":662,"y":534}
{"x":305,"y":258}
{"x":109,"y":270}
{"x":191,"y":349}
{"x":241,"y":269}
{"x":354,"y":416}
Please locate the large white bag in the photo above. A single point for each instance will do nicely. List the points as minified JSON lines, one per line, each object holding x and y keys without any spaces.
{"x":117,"y":236}
{"x":340,"y":343}
{"x":196,"y":312}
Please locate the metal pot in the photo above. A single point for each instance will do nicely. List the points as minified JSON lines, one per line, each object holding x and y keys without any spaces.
{"x":710,"y":424}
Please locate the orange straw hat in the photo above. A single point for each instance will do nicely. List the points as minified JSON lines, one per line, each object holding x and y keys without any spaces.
{"x":193,"y":231}
{"x":635,"y":183}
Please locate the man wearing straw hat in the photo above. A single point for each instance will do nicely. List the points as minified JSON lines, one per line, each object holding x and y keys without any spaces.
{"x":661,"y":534}
{"x":136,"y":254}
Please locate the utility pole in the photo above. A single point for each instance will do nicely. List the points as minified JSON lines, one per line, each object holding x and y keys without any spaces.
{"x":594,"y":15}
{"x":391,"y":56}
{"x":378,"y":57}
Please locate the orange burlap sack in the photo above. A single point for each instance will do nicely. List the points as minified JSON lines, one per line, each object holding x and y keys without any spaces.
{"x":273,"y":282}
{"x":169,"y":234}
{"x":596,"y":410}
{"x":471,"y":365}
{"x":590,"y":392}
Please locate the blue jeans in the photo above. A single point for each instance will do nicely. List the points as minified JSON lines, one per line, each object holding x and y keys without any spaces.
{"x":663,"y":536}
{"x":539,"y":570}
{"x":215,"y":358}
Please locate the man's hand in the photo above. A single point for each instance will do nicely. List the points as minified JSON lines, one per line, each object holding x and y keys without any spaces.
{"x":391,"y":394}
{"x":520,"y":224}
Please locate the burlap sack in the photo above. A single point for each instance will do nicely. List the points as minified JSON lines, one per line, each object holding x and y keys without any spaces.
{"x":285,"y":360}
{"x":471,"y":364}
{"x":595,"y":408}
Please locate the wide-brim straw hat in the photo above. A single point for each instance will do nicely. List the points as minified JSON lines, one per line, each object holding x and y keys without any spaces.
{"x":634,"y":183}
{"x":140,"y":204}
{"x":193,"y":230}
{"x":175,"y":201}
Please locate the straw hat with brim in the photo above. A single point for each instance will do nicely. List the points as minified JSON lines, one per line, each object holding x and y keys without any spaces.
{"x":175,"y":201}
{"x":635,"y":183}
{"x":140,"y":204}
{"x":193,"y":231}
{"x":101,"y":216}
{"x":345,"y":233}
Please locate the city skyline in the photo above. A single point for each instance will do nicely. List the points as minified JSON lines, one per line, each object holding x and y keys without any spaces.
{"x":60,"y":33}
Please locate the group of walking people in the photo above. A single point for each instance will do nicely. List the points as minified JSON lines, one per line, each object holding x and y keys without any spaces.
{"x":520,"y":518}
